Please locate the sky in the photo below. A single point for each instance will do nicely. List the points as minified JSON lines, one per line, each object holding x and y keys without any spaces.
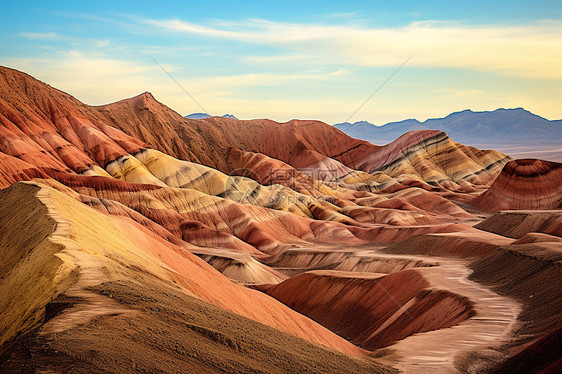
{"x":334,"y":61}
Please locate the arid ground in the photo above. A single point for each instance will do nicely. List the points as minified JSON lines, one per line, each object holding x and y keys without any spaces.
{"x":133,"y":239}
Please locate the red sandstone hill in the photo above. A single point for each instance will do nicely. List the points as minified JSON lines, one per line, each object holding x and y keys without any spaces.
{"x":430,"y":156}
{"x":524,"y":184}
{"x":76,"y":280}
{"x":371,"y":310}
{"x":307,"y":145}
{"x":298,"y":143}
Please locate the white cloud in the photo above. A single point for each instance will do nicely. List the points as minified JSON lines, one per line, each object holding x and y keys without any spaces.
{"x":462,"y":92}
{"x":315,"y":55}
{"x":529,"y":50}
{"x":279,"y":59}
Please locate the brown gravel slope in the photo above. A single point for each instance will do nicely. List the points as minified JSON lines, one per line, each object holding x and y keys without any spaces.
{"x":167,"y":331}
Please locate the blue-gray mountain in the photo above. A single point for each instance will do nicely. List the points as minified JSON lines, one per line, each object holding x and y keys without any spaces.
{"x":205,"y":115}
{"x":517,"y":132}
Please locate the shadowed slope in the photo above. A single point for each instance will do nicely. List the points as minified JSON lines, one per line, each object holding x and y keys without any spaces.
{"x":529,"y":272}
{"x":31,"y":272}
{"x":517,"y":223}
{"x":542,"y":356}
{"x":371,"y":310}
{"x":465,"y":244}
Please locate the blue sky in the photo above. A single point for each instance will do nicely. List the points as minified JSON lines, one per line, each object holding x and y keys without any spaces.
{"x":296,"y":59}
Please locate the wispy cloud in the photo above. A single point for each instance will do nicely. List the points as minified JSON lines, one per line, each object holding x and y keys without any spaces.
{"x":262,"y":79}
{"x":97,"y":79}
{"x":260,"y":68}
{"x":41,"y":36}
{"x":94,"y":78}
{"x":461,"y":92}
{"x":527,"y":51}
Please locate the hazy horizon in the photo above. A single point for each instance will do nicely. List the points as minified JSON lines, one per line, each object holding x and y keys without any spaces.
{"x":296,"y":60}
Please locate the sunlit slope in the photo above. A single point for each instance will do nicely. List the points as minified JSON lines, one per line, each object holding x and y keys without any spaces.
{"x":88,"y":248}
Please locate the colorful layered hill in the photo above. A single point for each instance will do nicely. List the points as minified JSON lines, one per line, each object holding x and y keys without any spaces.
{"x":221,"y":245}
{"x":75,"y":280}
{"x":372,"y":310}
{"x":50,"y":136}
{"x":524,"y":184}
{"x":311,"y":147}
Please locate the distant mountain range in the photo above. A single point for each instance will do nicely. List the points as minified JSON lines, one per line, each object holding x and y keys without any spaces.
{"x":517,"y":132}
{"x":205,"y":115}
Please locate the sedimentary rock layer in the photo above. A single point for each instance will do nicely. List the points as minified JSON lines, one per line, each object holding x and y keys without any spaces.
{"x":372,"y":310}
{"x":524,"y":184}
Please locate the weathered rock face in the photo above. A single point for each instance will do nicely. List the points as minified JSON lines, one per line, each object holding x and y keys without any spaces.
{"x":524,"y":184}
